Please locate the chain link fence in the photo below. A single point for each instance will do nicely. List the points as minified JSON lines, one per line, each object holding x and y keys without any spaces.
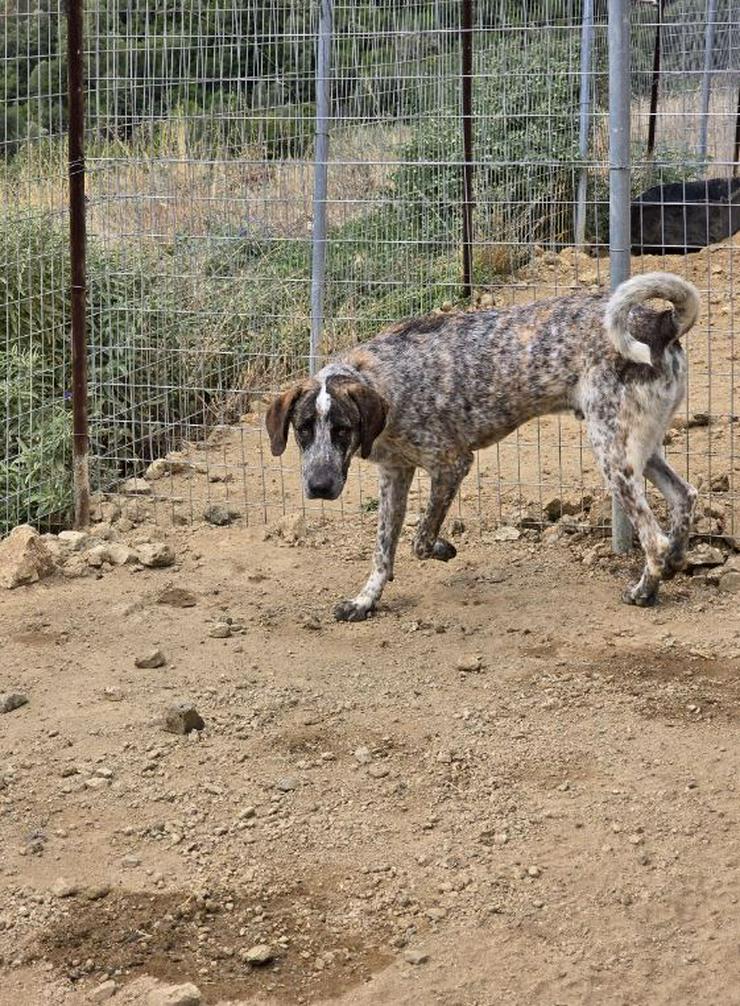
{"x":201,"y":126}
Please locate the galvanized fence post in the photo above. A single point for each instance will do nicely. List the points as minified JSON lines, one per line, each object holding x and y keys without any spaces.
{"x":706,"y":80}
{"x":619,"y":188}
{"x":466,"y":43}
{"x":321,"y":157}
{"x":587,"y":42}
{"x":77,"y":240}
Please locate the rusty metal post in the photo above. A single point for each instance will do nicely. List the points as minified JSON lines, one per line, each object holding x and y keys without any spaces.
{"x":466,"y":44}
{"x":75,"y":85}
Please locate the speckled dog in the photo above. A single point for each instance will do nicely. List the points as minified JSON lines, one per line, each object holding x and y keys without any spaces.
{"x":429,"y":392}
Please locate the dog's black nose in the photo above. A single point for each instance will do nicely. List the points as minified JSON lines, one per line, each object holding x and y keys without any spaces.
{"x":322,"y":489}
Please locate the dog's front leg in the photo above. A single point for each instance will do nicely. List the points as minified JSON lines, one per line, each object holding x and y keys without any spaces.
{"x":445,"y":484}
{"x":394,"y":489}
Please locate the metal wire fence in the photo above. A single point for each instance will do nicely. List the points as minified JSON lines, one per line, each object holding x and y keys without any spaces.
{"x":204,"y":209}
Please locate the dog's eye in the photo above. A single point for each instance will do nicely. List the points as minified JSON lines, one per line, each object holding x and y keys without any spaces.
{"x":341,"y":433}
{"x":304,"y":432}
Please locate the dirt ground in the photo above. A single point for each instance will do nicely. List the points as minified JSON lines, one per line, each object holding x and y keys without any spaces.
{"x":559,"y":826}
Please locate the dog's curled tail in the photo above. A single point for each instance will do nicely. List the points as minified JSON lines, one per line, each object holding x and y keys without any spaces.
{"x":683,"y":296}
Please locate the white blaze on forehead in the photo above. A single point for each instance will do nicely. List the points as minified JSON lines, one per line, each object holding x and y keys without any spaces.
{"x":323,"y":402}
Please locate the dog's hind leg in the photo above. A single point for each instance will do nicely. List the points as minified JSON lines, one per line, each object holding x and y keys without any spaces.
{"x":620,"y":455}
{"x":445,"y":483}
{"x":394,"y":489}
{"x":681,"y":499}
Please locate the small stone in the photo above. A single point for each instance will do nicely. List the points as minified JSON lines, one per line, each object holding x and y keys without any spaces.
{"x":415,"y":957}
{"x":287,"y":783}
{"x":292,"y":527}
{"x":704,"y":555}
{"x":153,"y":659}
{"x":729,"y":583}
{"x":62,"y":888}
{"x":506,"y":533}
{"x":131,"y":862}
{"x":362,"y":755}
{"x":113,"y":693}
{"x":156,"y":470}
{"x":176,"y":597}
{"x":469,"y":663}
{"x":219,"y":515}
{"x":378,"y":771}
{"x":24,"y":558}
{"x":534,"y":871}
{"x":119,"y":554}
{"x":182,"y":718}
{"x":156,"y":556}
{"x":97,"y":892}
{"x":221,"y":630}
{"x":136,"y":487}
{"x":556,"y":508}
{"x":175,"y":995}
{"x":73,"y":540}
{"x":720,"y":483}
{"x":262,"y":953}
{"x":104,"y":992}
{"x":12,"y":700}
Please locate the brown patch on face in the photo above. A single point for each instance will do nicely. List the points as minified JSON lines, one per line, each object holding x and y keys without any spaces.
{"x":280,"y":412}
{"x":361,"y":360}
{"x":372,"y":409}
{"x":628,"y":471}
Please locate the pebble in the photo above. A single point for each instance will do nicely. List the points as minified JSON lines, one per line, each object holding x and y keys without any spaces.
{"x":12,"y":700}
{"x":176,"y":597}
{"x":378,"y":771}
{"x":104,"y":992}
{"x":220,"y":515}
{"x":506,"y":533}
{"x":113,"y":693}
{"x":182,"y":718}
{"x":74,"y":540}
{"x":221,"y":630}
{"x":136,"y":487}
{"x":287,"y":784}
{"x":175,"y":995}
{"x":469,"y":662}
{"x":154,"y":659}
{"x":415,"y":957}
{"x":62,"y":888}
{"x":362,"y":755}
{"x":262,"y":953}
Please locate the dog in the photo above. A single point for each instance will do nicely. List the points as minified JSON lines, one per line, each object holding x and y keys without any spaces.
{"x":429,"y":392}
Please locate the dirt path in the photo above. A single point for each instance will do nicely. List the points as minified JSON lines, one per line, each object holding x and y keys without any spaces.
{"x":559,"y":827}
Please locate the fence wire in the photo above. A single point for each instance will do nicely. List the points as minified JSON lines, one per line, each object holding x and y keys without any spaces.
{"x":201,"y":142}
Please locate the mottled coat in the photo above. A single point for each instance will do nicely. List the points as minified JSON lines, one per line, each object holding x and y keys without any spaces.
{"x":429,"y":392}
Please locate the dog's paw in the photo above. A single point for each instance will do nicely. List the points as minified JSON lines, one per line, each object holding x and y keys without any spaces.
{"x":443,"y":550}
{"x":351,"y":611}
{"x":675,"y":562}
{"x":640,"y":599}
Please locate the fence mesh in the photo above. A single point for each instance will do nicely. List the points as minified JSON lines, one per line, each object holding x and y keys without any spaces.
{"x":200,"y":132}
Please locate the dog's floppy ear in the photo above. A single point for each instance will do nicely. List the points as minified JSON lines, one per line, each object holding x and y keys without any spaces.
{"x":279,"y":415}
{"x":373,"y":410}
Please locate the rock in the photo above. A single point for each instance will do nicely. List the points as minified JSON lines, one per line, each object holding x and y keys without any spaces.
{"x":182,"y":718}
{"x":73,"y":540}
{"x":287,"y":784}
{"x":175,"y":995}
{"x":97,"y":892}
{"x":292,"y":527}
{"x":136,"y":487}
{"x":220,"y":515}
{"x":156,"y":470}
{"x":362,"y":755}
{"x":154,"y":659}
{"x":729,"y":582}
{"x":120,"y":554}
{"x":704,"y":555}
{"x":469,"y":662}
{"x":221,"y":630}
{"x":173,"y":464}
{"x":24,"y":558}
{"x":378,"y":771}
{"x":155,"y":556}
{"x":113,"y":694}
{"x":12,"y":700}
{"x":720,"y":483}
{"x":104,"y":992}
{"x":176,"y":597}
{"x":97,"y":555}
{"x":415,"y":957}
{"x":62,"y":888}
{"x":262,"y":953}
{"x":556,"y":508}
{"x":506,"y":533}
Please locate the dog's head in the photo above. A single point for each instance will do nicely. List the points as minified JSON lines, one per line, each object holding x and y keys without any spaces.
{"x":332,"y":420}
